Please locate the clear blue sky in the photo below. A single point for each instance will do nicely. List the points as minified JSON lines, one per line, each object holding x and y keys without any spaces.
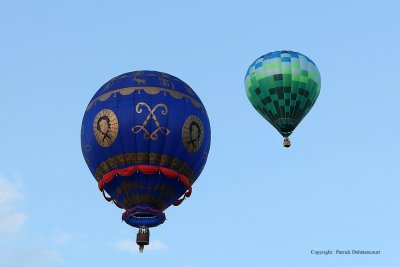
{"x":256,"y":203}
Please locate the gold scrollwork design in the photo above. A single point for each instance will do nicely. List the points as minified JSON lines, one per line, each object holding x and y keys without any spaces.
{"x":153,"y":135}
{"x":148,"y":89}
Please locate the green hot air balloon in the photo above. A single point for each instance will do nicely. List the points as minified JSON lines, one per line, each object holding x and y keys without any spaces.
{"x":283,"y":86}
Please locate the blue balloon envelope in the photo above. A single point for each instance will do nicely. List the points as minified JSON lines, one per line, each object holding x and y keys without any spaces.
{"x":145,"y":138}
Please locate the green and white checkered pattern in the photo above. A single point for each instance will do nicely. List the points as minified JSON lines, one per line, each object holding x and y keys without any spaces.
{"x":283,"y":86}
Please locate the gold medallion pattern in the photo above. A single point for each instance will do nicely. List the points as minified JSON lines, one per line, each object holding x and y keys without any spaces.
{"x":105,"y":127}
{"x":192,"y":133}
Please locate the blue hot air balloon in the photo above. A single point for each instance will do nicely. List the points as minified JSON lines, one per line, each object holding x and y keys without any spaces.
{"x":145,"y":138}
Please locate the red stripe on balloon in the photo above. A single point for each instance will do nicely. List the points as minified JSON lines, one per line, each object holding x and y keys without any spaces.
{"x":147,"y":169}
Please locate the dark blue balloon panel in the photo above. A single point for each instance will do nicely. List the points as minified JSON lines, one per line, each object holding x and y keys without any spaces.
{"x":145,"y":118}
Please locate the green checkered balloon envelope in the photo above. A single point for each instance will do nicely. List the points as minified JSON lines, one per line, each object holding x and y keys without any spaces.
{"x":283,"y":86}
